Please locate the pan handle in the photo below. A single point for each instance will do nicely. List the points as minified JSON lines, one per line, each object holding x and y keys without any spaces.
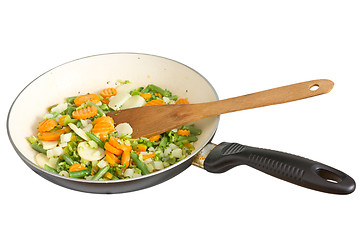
{"x":295,"y":169}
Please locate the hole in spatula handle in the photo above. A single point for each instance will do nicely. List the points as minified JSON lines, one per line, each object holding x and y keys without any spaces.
{"x":314,"y":87}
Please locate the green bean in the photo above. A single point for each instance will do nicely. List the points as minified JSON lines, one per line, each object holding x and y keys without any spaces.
{"x":192,"y":129}
{"x":146,"y":90}
{"x":69,"y":110}
{"x":36,"y":146}
{"x":93,"y":137}
{"x":68,"y":120}
{"x":105,"y":108}
{"x":70,"y":99}
{"x":173,"y":97}
{"x":100,"y":173}
{"x":164,"y":141}
{"x":115,"y":178}
{"x":140,"y":164}
{"x":31,"y":140}
{"x":164,"y":93}
{"x":80,"y":173}
{"x":50,"y":169}
{"x":99,"y":110}
{"x":187,"y":138}
{"x":68,"y":159}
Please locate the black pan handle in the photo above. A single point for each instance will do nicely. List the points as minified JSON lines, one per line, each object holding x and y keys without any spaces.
{"x":298,"y":170}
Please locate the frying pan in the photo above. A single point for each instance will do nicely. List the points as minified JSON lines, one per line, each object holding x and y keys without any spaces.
{"x":92,"y":73}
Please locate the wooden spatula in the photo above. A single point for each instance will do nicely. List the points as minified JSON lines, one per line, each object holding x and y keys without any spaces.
{"x":163,"y":118}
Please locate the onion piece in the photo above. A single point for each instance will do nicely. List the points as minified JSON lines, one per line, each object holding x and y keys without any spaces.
{"x":118,"y":100}
{"x":79,"y":131}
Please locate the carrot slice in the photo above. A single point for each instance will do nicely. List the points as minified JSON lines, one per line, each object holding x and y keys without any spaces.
{"x":125,"y":158}
{"x":183,"y":132}
{"x":103,"y":127}
{"x":47,"y":125}
{"x":155,"y":102}
{"x":182,"y":101}
{"x":105,"y":100}
{"x":150,"y":155}
{"x":146,"y":96}
{"x":125,"y":148}
{"x":108,"y":175}
{"x":76,"y":167}
{"x":51,"y":135}
{"x":158,"y":95}
{"x":112,"y":149}
{"x":114,"y":142}
{"x":108,"y":92}
{"x":104,"y":119}
{"x":84,"y":113}
{"x":141,"y":148}
{"x":103,"y":136}
{"x":87,"y":97}
{"x":62,"y":119}
{"x":188,"y":145}
{"x":111,"y":158}
{"x":155,"y":138}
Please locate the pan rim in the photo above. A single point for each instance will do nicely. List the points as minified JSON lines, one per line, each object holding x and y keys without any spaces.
{"x":188,"y":158}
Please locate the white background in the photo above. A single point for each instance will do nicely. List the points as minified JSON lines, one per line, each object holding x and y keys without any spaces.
{"x":240,"y":47}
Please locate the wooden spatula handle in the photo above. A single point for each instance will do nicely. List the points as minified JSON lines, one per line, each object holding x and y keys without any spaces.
{"x":268,"y":97}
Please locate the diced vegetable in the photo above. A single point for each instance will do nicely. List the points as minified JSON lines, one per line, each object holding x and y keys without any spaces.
{"x":84,"y":98}
{"x":95,"y":139}
{"x":146,"y":96}
{"x":133,"y":102}
{"x":158,"y":165}
{"x":157,"y":89}
{"x":49,"y":144}
{"x":182,"y":101}
{"x":76,"y":167}
{"x":112,"y":149}
{"x":47,"y":125}
{"x":117,"y":101}
{"x":101,"y":173}
{"x":68,"y":159}
{"x":192,"y":129}
{"x":155,"y":137}
{"x":102,"y":163}
{"x":125,"y":158}
{"x":79,"y":132}
{"x":59,"y":108}
{"x":108,"y":92}
{"x":177,"y":153}
{"x":84,"y":113}
{"x":50,"y":136}
{"x":181,"y":132}
{"x":124,"y":129}
{"x":86,"y":152}
{"x":99,"y":110}
{"x":76,"y":139}
{"x":50,"y":169}
{"x":155,"y":102}
{"x":80,"y":173}
{"x":36,"y":146}
{"x":111,"y":158}
{"x":140,"y":164}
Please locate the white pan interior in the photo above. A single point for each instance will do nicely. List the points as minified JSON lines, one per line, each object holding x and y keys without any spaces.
{"x":90,"y":75}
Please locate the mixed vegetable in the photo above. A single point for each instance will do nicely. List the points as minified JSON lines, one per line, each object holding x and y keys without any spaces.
{"x":76,"y":139}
